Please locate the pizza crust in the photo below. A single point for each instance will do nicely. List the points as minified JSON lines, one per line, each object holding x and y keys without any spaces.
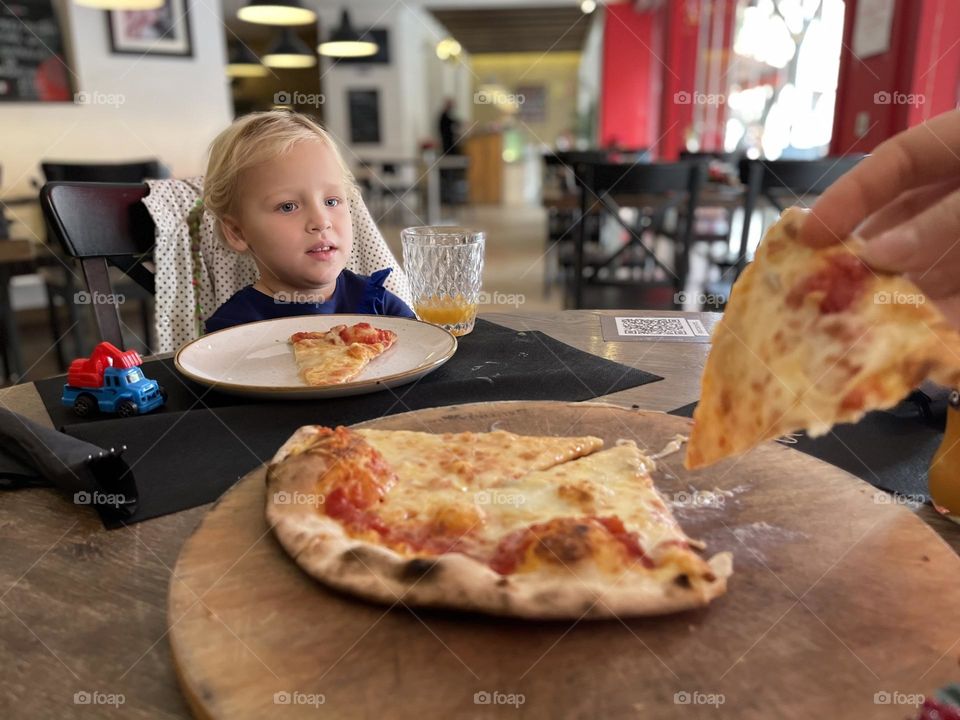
{"x":321,"y":547}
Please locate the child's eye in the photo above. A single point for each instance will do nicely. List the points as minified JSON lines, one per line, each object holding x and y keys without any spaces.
{"x":287,"y":207}
{"x":333,"y":202}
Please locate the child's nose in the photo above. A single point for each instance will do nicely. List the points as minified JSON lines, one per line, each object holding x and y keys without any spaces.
{"x":319,"y":218}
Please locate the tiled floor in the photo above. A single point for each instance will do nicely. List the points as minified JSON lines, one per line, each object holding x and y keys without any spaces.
{"x":513,"y":277}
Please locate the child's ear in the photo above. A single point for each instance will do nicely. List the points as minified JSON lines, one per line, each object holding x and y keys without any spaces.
{"x":233,"y":235}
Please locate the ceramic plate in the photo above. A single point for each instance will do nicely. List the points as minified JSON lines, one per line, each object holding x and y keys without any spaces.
{"x":256,"y":359}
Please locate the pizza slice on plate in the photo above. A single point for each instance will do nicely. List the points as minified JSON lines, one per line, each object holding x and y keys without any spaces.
{"x":339,"y":354}
{"x":539,"y":527}
{"x":810,"y":338}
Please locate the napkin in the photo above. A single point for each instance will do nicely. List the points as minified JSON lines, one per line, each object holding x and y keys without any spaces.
{"x":34,"y":456}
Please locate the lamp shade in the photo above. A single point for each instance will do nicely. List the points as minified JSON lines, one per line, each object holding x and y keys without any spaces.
{"x":276,"y":12}
{"x":243,"y":63}
{"x":346,"y":42}
{"x":289,"y":51}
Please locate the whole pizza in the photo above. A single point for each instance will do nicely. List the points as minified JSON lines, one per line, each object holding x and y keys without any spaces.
{"x":507,"y":524}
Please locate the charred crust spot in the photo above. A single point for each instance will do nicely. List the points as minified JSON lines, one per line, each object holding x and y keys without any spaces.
{"x":709,"y":577}
{"x":503,"y":582}
{"x":417,"y":568}
{"x":683,"y":580}
{"x":357,"y":555}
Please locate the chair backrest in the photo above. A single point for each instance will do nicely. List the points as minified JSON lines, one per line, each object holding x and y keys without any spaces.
{"x":796,"y":178}
{"x":97,"y":223}
{"x":128,"y":172}
{"x":790,"y":180}
{"x":636,"y":178}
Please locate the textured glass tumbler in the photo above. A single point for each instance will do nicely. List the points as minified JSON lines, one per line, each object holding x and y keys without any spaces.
{"x":444,"y":265}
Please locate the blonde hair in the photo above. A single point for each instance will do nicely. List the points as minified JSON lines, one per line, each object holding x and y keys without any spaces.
{"x":251,"y":140}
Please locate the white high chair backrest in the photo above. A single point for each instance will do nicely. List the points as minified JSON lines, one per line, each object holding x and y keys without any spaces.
{"x":191,"y":283}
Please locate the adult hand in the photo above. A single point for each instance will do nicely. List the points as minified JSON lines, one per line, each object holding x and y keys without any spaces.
{"x":904,"y":199}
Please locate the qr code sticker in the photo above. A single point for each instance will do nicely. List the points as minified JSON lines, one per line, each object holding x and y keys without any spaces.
{"x":658,"y":327}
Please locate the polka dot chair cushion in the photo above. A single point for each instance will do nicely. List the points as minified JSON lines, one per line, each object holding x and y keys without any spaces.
{"x":191,"y":283}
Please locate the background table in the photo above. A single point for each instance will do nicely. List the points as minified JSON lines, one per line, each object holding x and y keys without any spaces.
{"x":83,"y":609}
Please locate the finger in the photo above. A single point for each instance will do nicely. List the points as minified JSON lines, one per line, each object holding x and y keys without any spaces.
{"x":926,"y":246}
{"x":924,"y":154}
{"x":908,"y":205}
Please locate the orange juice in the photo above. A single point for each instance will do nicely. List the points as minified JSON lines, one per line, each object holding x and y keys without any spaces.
{"x":456,"y":314}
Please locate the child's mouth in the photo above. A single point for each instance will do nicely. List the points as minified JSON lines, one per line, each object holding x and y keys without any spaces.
{"x":322,"y":251}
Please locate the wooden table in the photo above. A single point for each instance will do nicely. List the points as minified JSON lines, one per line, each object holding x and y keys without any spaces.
{"x":83,"y":609}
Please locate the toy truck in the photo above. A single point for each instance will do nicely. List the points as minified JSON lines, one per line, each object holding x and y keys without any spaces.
{"x":111,"y":381}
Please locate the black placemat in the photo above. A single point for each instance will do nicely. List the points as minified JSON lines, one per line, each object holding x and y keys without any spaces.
{"x":890,"y":449}
{"x":196,"y":447}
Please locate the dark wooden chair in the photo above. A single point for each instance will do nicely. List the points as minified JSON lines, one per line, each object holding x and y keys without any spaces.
{"x":783,"y":183}
{"x":654,"y":189}
{"x":57,"y":270}
{"x":102,"y":225}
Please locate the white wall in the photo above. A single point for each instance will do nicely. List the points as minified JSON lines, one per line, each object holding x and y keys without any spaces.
{"x":172,"y":107}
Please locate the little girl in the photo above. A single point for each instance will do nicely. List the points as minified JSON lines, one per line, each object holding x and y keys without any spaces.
{"x":280,"y":190}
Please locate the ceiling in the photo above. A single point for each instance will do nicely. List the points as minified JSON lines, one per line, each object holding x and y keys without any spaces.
{"x":527,"y":29}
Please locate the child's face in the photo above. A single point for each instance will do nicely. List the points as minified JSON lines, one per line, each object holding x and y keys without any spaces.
{"x":293,"y":215}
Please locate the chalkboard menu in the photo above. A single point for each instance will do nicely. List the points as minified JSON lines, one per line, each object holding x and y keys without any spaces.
{"x":364,"y":107}
{"x":32,"y":65}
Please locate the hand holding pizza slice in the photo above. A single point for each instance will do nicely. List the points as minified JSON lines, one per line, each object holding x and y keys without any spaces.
{"x":812,"y":337}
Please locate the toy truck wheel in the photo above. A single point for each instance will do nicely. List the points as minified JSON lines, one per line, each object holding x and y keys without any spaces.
{"x":126,"y":408}
{"x":85,"y":405}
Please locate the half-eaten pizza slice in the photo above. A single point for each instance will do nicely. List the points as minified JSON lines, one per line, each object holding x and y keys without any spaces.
{"x":339,"y":354}
{"x":811,"y":338}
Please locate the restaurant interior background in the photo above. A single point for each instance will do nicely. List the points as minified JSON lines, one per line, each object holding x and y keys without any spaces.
{"x":529,"y":84}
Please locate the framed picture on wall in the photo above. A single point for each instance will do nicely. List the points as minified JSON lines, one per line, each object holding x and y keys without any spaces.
{"x":33,"y":66}
{"x":164,"y":31}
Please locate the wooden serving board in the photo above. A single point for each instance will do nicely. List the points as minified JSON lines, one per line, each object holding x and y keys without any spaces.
{"x":836,"y":598}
